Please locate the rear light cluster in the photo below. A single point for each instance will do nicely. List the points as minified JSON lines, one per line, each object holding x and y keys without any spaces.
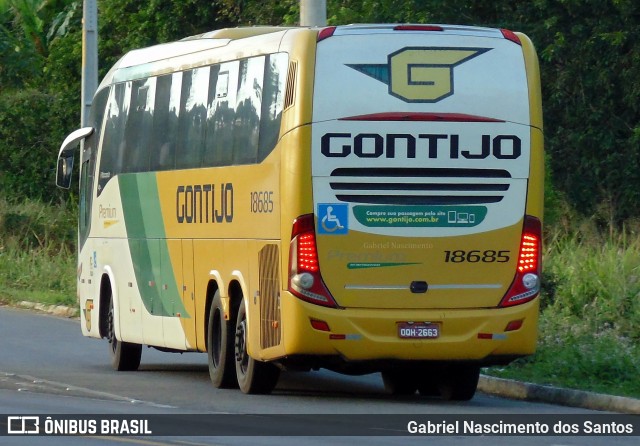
{"x":305,"y":281}
{"x":526,"y":284}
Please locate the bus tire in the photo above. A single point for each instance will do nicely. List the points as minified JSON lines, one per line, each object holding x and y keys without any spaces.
{"x":400,"y":382}
{"x":459,"y":383}
{"x":125,"y":356}
{"x":254,"y":377}
{"x":220,"y":351}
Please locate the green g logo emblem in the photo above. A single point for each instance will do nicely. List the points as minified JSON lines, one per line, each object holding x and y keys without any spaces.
{"x":420,"y":74}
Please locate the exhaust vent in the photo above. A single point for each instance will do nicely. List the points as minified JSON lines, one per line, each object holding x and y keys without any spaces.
{"x":419,"y":186}
{"x":270,"y":319}
{"x":289,"y":96}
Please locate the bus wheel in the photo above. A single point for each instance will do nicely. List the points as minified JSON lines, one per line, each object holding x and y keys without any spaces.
{"x":220,"y":347}
{"x":459,"y":383}
{"x":124,"y":355}
{"x":400,"y":382}
{"x":254,"y":376}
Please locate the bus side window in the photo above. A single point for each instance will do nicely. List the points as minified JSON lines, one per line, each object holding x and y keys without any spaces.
{"x":139,"y":126}
{"x":248,"y":107}
{"x":193,"y":115}
{"x":87,"y":170}
{"x":221,"y":117}
{"x":113,"y":146}
{"x":165,"y":121}
{"x":208,"y":154}
{"x":275,"y":74}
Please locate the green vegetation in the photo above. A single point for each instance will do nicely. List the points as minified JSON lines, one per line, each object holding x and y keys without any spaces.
{"x":37,"y":253}
{"x":590,"y":319}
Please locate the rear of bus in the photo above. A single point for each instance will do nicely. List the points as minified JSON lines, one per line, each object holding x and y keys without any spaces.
{"x":427,"y":169}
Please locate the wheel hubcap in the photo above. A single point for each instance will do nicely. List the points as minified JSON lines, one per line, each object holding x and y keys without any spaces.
{"x":217,"y":341}
{"x":241,"y":351}
{"x":110,"y":330}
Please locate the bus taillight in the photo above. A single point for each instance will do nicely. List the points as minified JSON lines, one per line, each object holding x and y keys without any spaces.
{"x":526,"y":284}
{"x":305,"y":281}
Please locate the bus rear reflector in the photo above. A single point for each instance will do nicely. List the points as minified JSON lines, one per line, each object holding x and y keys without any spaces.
{"x":320,"y":325}
{"x":526,"y":284}
{"x":305,"y":281}
{"x":514,"y":325}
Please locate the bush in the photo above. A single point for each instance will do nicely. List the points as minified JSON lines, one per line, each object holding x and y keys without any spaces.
{"x":32,"y":126}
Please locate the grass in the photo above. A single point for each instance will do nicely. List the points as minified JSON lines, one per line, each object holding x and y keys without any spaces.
{"x":37,"y":253}
{"x":590,"y":303}
{"x":590,"y":317}
{"x":605,"y":363}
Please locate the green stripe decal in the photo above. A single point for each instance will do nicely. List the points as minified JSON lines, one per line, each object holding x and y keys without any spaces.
{"x":361,"y":265}
{"x":148,"y":245}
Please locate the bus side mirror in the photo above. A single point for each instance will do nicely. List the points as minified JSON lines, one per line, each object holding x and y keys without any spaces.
{"x":65,"y":168}
{"x":65,"y":156}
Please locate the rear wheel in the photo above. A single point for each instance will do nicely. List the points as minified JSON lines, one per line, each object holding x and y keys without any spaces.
{"x":220,"y":346}
{"x":125,"y":356}
{"x":254,"y":376}
{"x":459,"y":383}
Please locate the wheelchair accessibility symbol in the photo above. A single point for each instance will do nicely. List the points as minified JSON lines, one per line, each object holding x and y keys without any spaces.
{"x":334,"y":218}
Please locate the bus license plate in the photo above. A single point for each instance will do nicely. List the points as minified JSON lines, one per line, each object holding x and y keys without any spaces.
{"x":418,"y":330}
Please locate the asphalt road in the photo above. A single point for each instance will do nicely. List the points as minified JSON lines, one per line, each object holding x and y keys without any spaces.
{"x":48,"y":367}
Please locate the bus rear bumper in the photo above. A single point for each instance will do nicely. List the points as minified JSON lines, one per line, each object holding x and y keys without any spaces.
{"x":483,"y":335}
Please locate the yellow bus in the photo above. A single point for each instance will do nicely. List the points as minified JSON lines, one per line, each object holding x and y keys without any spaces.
{"x":362,"y":198}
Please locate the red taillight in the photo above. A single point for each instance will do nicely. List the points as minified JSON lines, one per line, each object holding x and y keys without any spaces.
{"x":307,"y":253}
{"x":526,"y":284}
{"x":529,"y":252}
{"x":510,"y":35}
{"x":305,"y":281}
{"x":326,"y":32}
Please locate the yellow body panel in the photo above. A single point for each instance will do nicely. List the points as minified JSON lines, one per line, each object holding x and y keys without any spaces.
{"x":372,"y":334}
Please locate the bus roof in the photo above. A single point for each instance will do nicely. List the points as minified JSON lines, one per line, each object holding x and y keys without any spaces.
{"x":416,"y":27}
{"x":223,"y":37}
